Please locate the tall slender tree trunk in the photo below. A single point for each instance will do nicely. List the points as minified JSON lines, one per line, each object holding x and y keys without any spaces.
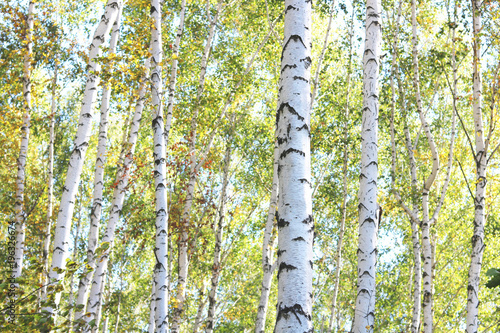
{"x":73,"y":258}
{"x":426,"y":221}
{"x":216,"y":268}
{"x":96,"y":212}
{"x":184,"y":237}
{"x":119,"y":191}
{"x":480,"y":192}
{"x":173,"y":73}
{"x":50,"y":189}
{"x":160,"y":173}
{"x":267,"y":249}
{"x":413,"y":215}
{"x":364,"y":318}
{"x":202,"y":301}
{"x":19,"y":209}
{"x":63,"y":226}
{"x":345,"y":161}
{"x":295,"y":221}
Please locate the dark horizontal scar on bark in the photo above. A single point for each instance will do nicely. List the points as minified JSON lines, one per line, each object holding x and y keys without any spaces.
{"x":284,"y":266}
{"x":299,"y":239}
{"x":290,"y":109}
{"x":291,"y":150}
{"x":300,"y":78}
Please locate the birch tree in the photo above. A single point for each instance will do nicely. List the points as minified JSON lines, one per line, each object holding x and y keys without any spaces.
{"x":96,"y":212}
{"x":294,"y":216}
{"x":193,"y":169}
{"x":159,"y":155}
{"x":219,"y":232}
{"x":75,"y":165}
{"x":119,"y":191}
{"x":268,"y":249}
{"x":369,"y":217}
{"x":50,"y":188}
{"x":480,"y":159}
{"x":19,"y":209}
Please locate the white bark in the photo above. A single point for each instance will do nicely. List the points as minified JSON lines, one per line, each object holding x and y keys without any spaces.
{"x":185,"y":222}
{"x":267,"y":250}
{"x":480,"y":192}
{"x":364,"y":317}
{"x":95,"y":215}
{"x":295,"y":221}
{"x":151,"y":324}
{"x":426,"y":222}
{"x":19,"y":209}
{"x":160,"y":277}
{"x":63,"y":226}
{"x":415,"y":235}
{"x":173,"y":73}
{"x":216,"y":269}
{"x":121,"y":181}
{"x":50,"y":189}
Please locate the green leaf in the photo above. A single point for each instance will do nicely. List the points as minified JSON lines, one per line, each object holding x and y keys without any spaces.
{"x":495,"y":278}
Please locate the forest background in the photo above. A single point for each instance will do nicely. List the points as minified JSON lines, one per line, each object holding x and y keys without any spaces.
{"x":221,"y":146}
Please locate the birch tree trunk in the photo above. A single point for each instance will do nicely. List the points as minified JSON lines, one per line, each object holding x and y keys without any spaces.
{"x":96,"y":212}
{"x":413,"y":214}
{"x":267,"y":249}
{"x":50,"y":189}
{"x":480,"y":192}
{"x":185,"y":224}
{"x":426,"y":222}
{"x":364,"y":317}
{"x":121,"y":181}
{"x":173,"y":73}
{"x":63,"y":226}
{"x":216,"y":269}
{"x":295,"y":221}
{"x":160,"y":173}
{"x":19,"y":208}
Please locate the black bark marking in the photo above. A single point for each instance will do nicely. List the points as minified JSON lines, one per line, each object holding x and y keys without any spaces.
{"x":284,"y":266}
{"x":288,"y":66}
{"x":290,"y":7}
{"x":291,"y":150}
{"x":300,"y":78}
{"x":308,"y":220}
{"x":280,"y":252}
{"x":296,"y":310}
{"x":281,"y":140}
{"x":304,"y":127}
{"x":295,"y":38}
{"x":290,"y":109}
{"x":311,"y":263}
{"x":299,"y":239}
{"x":303,"y":180}
{"x":282,"y":223}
